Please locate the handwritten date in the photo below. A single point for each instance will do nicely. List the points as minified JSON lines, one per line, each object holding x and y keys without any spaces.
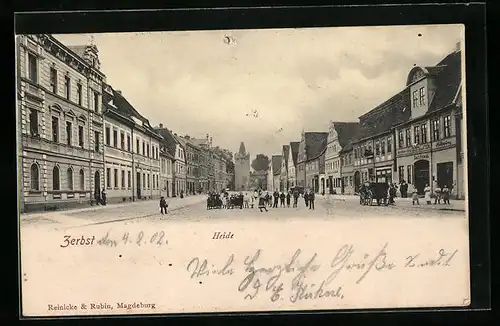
{"x":140,"y":238}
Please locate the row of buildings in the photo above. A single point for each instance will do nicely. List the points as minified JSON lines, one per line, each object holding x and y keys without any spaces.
{"x":416,"y":136}
{"x":78,"y":136}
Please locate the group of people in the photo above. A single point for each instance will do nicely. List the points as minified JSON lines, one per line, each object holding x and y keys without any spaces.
{"x":438,"y":194}
{"x":283,"y":199}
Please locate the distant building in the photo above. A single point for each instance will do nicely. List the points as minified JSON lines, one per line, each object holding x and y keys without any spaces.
{"x":311,"y":160}
{"x":242,"y":168}
{"x":292,"y":164}
{"x":177,"y":151}
{"x":273,"y":174}
{"x":284,"y":168}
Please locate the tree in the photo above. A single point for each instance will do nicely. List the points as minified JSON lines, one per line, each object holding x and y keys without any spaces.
{"x":260,"y":163}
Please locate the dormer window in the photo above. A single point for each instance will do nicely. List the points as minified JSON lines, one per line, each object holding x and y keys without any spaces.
{"x":421,"y":95}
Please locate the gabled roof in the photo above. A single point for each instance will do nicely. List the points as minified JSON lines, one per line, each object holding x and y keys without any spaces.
{"x":346,"y":131}
{"x":276,"y":164}
{"x":169,"y":140}
{"x":447,"y":81}
{"x":286,"y":150}
{"x":294,"y":146}
{"x":315,"y":144}
{"x":381,"y":119}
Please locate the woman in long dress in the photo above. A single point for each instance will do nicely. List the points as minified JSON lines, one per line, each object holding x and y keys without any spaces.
{"x":427,"y":192}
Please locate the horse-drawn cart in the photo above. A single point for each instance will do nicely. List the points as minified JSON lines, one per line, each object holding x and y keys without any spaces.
{"x":374,"y":191}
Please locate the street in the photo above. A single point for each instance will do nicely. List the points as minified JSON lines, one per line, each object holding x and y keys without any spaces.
{"x":193,"y":209}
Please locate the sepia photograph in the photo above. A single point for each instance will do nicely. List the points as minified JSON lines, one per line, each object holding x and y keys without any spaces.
{"x":242,"y":170}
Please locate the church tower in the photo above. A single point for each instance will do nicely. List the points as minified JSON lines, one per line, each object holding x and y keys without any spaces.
{"x":241,"y":169}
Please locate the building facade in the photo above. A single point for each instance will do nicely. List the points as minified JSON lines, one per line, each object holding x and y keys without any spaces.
{"x":292,"y":164}
{"x":429,"y":150}
{"x":59,"y":123}
{"x":347,"y":169}
{"x":242,"y":168}
{"x":166,"y":172}
{"x":174,"y":148}
{"x":283,"y":184}
{"x":311,"y":160}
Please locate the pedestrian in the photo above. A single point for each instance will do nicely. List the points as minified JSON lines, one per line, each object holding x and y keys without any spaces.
{"x":306,"y":197}
{"x":392,"y":194}
{"x":437,"y":195}
{"x":163,"y":205}
{"x":288,"y":196}
{"x":415,"y":197}
{"x":276,"y":196}
{"x":252,"y":201}
{"x":262,"y":202}
{"x":311,"y":200}
{"x":427,"y":193}
{"x":404,"y":189}
{"x":282,"y":199}
{"x":295,"y":198}
{"x":246,"y":201}
{"x":182,"y":194}
{"x":446,"y":195}
{"x":103,"y":196}
{"x":224,"y":201}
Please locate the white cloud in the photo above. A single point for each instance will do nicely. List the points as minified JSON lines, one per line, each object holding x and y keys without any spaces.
{"x":195,"y":83}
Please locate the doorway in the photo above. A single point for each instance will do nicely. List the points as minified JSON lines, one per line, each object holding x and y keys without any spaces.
{"x":138,"y":185}
{"x":357,"y":181}
{"x":445,"y":174}
{"x":97,"y":186}
{"x":421,"y":170}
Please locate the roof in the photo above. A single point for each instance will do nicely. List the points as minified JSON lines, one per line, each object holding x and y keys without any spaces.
{"x":276,"y":163}
{"x":447,"y":81}
{"x":346,"y":131}
{"x":169,"y":140}
{"x":382,"y":118}
{"x":286,"y":150}
{"x":347,"y":147}
{"x":294,"y":146}
{"x":315,"y":144}
{"x":242,"y":149}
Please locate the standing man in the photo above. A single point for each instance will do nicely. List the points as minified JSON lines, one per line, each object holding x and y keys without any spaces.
{"x":276,"y":197}
{"x":103,"y":196}
{"x":311,"y":200}
{"x":306,"y":197}
{"x":404,"y":189}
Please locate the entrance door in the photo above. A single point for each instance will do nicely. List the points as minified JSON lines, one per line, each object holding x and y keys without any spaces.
{"x":421,"y":170}
{"x":322,"y":185}
{"x":138,"y":185}
{"x":316,"y":184}
{"x":342,"y":185}
{"x":445,"y":174}
{"x":357,"y":181}
{"x":168,"y":190}
{"x":97,"y":186}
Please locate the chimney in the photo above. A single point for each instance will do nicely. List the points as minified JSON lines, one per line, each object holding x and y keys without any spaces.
{"x":161,"y":125}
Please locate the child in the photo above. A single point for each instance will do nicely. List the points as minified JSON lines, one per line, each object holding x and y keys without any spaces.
{"x":163,"y":205}
{"x":446,"y":195}
{"x":437,"y":193}
{"x":415,"y":197}
{"x":427,"y":192}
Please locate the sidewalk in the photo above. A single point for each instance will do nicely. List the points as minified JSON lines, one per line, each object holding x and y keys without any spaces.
{"x":109,"y":213}
{"x":455,"y":205}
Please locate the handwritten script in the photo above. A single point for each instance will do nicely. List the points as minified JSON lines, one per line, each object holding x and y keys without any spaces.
{"x":306,"y":276}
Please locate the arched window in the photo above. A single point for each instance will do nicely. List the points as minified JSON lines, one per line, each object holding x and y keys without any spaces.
{"x":82,"y":180}
{"x":69,"y":173}
{"x":35,"y":177}
{"x":55,"y":179}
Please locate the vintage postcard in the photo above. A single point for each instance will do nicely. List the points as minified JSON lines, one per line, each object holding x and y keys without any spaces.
{"x":242,"y":170}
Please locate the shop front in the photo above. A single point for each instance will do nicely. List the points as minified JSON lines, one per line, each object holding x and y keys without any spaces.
{"x":414,"y":166}
{"x":383,"y":174}
{"x":444,"y":164}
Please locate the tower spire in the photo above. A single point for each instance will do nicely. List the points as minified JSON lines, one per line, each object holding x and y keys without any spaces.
{"x":242,"y":149}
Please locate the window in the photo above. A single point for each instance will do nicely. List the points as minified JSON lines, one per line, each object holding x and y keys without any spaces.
{"x":123,"y":179}
{"x":67,"y":86}
{"x":382,"y":147}
{"x":69,"y":177}
{"x":55,"y":178}
{"x":400,"y":138}
{"x":144,"y":179}
{"x":435,"y":129}
{"x":68,"y":133}
{"x":115,"y":138}
{"x":416,"y":134}
{"x":401,"y":173}
{"x":129,"y":179}
{"x":423,"y":132}
{"x":157,"y":183}
{"x":82,"y":180}
{"x":33,"y":122}
{"x":147,"y":150}
{"x":122,"y":140}
{"x":415,"y":98}
{"x":35,"y":177}
{"x":96,"y":102}
{"x":128,"y":143}
{"x":409,"y":173}
{"x":55,"y":129}
{"x":421,"y":96}
{"x":377,"y":148}
{"x":447,"y":126}
{"x":389,"y":145}
{"x":108,"y":136}
{"x":143,"y":148}
{"x":408,"y":137}
{"x":53,"y":80}
{"x":96,"y":141}
{"x":79,"y":93}
{"x":32,"y":68}
{"x":115,"y":175}
{"x":80,"y":136}
{"x":108,"y":177}
{"x":350,"y":180}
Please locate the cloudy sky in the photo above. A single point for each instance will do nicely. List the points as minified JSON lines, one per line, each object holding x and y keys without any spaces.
{"x":264,"y":87}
